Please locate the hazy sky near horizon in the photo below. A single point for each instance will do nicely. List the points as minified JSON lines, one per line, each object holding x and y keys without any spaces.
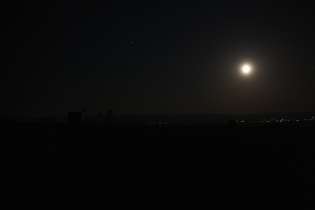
{"x":157,"y":57}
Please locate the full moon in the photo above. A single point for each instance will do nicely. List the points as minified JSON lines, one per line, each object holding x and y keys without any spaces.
{"x":246,"y":69}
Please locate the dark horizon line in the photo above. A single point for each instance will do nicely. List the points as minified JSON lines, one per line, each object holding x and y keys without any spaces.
{"x":3,"y":116}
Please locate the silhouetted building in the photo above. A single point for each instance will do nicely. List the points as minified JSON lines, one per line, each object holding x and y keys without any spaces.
{"x":158,"y":123}
{"x":74,"y":118}
{"x":109,"y":117}
{"x":231,"y":124}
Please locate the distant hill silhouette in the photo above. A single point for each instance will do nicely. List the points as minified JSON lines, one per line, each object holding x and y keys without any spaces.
{"x":175,"y":119}
{"x":198,"y":119}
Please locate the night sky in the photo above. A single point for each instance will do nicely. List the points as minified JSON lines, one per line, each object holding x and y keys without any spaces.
{"x":154,"y":57}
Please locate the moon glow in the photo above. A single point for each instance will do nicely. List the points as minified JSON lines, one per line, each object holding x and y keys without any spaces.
{"x":246,"y":69}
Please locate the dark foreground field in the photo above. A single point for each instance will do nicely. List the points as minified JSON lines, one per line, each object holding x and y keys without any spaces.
{"x":170,"y":166}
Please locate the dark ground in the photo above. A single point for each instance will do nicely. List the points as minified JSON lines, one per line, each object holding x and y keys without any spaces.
{"x":170,"y":166}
